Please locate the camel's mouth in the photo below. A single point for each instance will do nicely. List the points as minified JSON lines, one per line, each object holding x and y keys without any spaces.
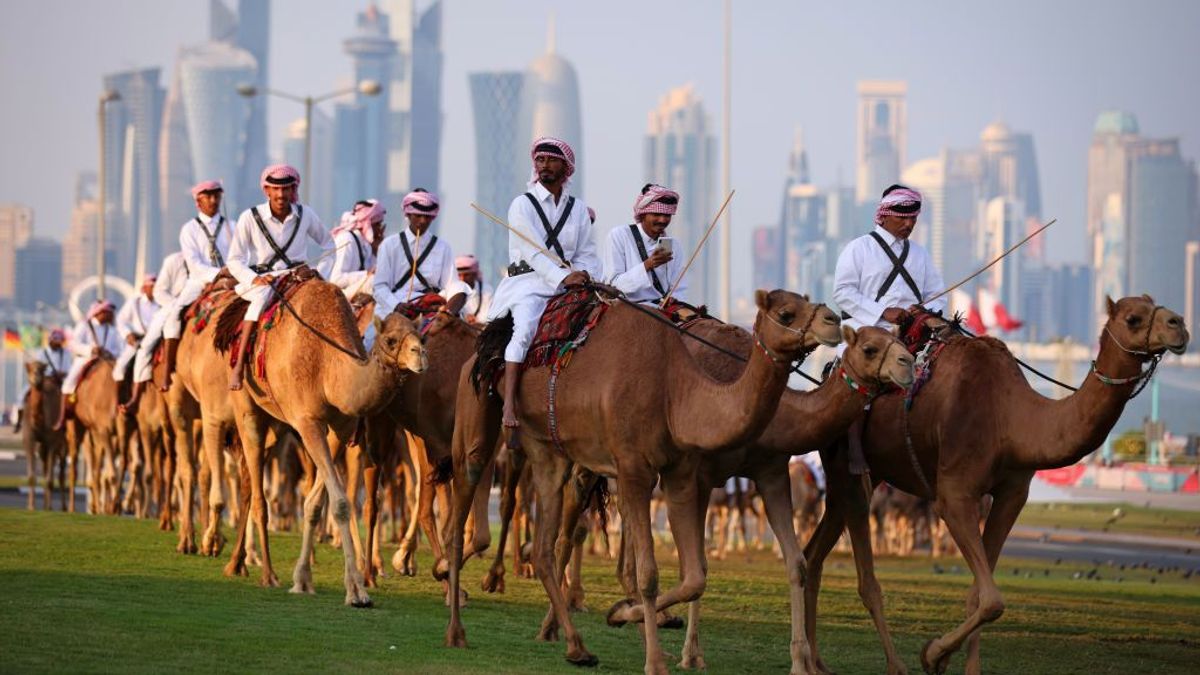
{"x":1179,"y":348}
{"x":903,"y":382}
{"x":829,"y":340}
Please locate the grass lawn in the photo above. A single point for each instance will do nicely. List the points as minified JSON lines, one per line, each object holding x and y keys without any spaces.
{"x":1136,"y":519}
{"x":85,"y":593}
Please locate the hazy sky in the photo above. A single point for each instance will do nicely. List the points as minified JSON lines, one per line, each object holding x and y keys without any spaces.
{"x":1047,"y":67}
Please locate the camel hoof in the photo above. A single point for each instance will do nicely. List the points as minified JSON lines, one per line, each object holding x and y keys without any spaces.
{"x":937,"y":667}
{"x":463,"y":596}
{"x":302,"y":588}
{"x":527,"y":571}
{"x":585,"y":659}
{"x":186,"y":547}
{"x":441,"y":571}
{"x":269,"y":580}
{"x":618,"y":607}
{"x":693,"y":662}
{"x":493,"y":581}
{"x":362,"y":601}
{"x":405,"y":560}
{"x":576,"y":605}
{"x":235,"y":569}
{"x":455,"y":636}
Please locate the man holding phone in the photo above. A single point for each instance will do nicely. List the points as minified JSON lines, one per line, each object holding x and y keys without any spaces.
{"x":639,"y":260}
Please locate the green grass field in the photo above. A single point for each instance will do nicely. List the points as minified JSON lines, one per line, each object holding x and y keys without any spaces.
{"x":83,"y":593}
{"x":1136,"y":519}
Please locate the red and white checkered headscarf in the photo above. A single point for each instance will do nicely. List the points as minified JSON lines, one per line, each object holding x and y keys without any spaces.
{"x":280,"y":174}
{"x":100,"y":306}
{"x":898,"y":201}
{"x":564,"y":152}
{"x":360,"y":219}
{"x":206,"y":186}
{"x":58,"y":334}
{"x":422,"y":203}
{"x":466,"y":262}
{"x":655,"y":199}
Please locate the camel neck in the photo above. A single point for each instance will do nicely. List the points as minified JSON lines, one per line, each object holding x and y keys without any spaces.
{"x":807,"y":420}
{"x":362,"y":388}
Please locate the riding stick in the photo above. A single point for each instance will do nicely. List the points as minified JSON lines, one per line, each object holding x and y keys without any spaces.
{"x":527,"y":240}
{"x":993,"y":262}
{"x":696,"y":252}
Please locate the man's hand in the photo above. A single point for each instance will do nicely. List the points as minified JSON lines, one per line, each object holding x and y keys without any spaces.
{"x":895,"y":315}
{"x":131,"y":340}
{"x":577,"y":278}
{"x":658,"y":258}
{"x":304,"y":273}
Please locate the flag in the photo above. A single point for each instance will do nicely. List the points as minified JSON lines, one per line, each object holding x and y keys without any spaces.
{"x":994,"y":314}
{"x":12,"y":340}
{"x":962,"y":305}
{"x":31,"y":337}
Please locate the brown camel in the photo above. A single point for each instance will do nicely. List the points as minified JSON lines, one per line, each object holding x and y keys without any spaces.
{"x":320,"y":390}
{"x":615,"y":423}
{"x":107,"y":434}
{"x":156,"y":436}
{"x":978,"y":428}
{"x":42,"y":442}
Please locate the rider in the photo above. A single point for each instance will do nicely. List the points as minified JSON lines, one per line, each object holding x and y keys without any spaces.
{"x":549,"y":215}
{"x":479,"y":292}
{"x":267,"y":244}
{"x":357,"y":238}
{"x":94,"y":337}
{"x":170,"y":284}
{"x":413,"y":263}
{"x":132,"y":322}
{"x":636,"y":262}
{"x":56,"y":362}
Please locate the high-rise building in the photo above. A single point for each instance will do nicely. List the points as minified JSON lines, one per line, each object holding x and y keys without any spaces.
{"x":131,"y":175}
{"x":1002,"y":224}
{"x":1010,"y":167}
{"x":79,"y":244}
{"x":16,"y":228}
{"x":217,"y":117}
{"x":174,"y":164}
{"x":882,"y":136}
{"x":680,"y":154}
{"x":550,"y":107}
{"x":414,"y":99}
{"x":1113,"y":136}
{"x":322,"y":173}
{"x":496,"y":106}
{"x":361,"y":127}
{"x":805,"y":251}
{"x":950,"y":189}
{"x":248,"y":29}
{"x":39,"y":273}
{"x":768,"y":270}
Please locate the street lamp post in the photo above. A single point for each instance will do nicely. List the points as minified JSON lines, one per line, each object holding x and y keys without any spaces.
{"x":106,"y":96}
{"x":364,"y":87}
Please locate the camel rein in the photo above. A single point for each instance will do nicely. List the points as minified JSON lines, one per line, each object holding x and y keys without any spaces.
{"x":657,"y":316}
{"x":312,"y":329}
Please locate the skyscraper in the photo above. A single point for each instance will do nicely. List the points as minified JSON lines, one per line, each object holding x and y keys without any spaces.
{"x":805,"y":250}
{"x":361,"y":127}
{"x":174,"y":164}
{"x":1010,"y":167}
{"x":79,"y":244}
{"x":882,"y":136}
{"x":550,"y":107}
{"x":217,"y":117}
{"x":496,"y":106}
{"x":950,"y":189}
{"x":131,"y":177}
{"x":1002,"y":225}
{"x":250,"y":30}
{"x":414,"y":99}
{"x":16,"y":228}
{"x":39,"y":273}
{"x":681,"y":154}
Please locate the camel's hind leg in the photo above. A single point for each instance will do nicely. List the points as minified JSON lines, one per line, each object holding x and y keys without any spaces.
{"x":825,"y":537}
{"x":635,"y":486}
{"x":32,"y":450}
{"x":493,"y":581}
{"x":1008,"y":500}
{"x":302,"y":575}
{"x":253,"y":434}
{"x":212,"y":542}
{"x":775,"y":490}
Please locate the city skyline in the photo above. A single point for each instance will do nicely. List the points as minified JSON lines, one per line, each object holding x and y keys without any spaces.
{"x":822,"y":98}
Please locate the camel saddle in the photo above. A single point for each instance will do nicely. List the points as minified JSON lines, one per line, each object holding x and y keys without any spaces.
{"x":210,"y":298}
{"x":423,"y":306}
{"x":682,"y":314}
{"x":925,"y":335}
{"x":228,"y":333}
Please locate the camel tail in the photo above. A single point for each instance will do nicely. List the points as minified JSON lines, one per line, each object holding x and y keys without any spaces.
{"x":597,"y":501}
{"x":443,"y":471}
{"x":489,"y":349}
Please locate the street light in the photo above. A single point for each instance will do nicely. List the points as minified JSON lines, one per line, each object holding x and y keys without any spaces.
{"x":364,"y":87}
{"x":106,"y":96}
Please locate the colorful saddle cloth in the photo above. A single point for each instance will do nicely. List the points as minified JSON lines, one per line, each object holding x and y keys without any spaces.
{"x":427,"y":304}
{"x":569,"y":318}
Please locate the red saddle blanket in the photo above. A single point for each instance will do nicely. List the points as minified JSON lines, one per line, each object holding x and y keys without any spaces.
{"x":566,"y":323}
{"x":429,"y":303}
{"x":228,"y":332}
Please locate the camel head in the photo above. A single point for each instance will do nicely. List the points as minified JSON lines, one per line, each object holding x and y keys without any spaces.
{"x":35,"y":374}
{"x":789,"y":325}
{"x":443,"y":321}
{"x":1139,"y":326}
{"x":875,"y":357}
{"x":398,"y":342}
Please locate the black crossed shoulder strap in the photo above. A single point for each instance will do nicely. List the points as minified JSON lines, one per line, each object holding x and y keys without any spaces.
{"x":280,"y":253}
{"x":214,"y":253}
{"x":552,"y":232}
{"x":414,"y":267}
{"x":898,"y":269}
{"x":50,"y":362}
{"x":641,"y":247}
{"x":362,"y":260}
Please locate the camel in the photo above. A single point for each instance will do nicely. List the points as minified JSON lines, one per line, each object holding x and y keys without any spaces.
{"x":157,"y":438}
{"x":632,"y":428}
{"x":807,"y":499}
{"x":319,"y":379}
{"x":40,"y":439}
{"x":107,"y":433}
{"x":978,"y":428}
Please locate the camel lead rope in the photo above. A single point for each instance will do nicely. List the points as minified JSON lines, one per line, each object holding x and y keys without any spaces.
{"x":912,"y":455}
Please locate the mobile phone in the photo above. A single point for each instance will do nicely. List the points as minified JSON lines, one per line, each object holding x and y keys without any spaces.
{"x":667,"y":244}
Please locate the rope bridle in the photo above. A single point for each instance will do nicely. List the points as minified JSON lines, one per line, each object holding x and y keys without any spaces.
{"x":1144,"y":375}
{"x":803,"y":332}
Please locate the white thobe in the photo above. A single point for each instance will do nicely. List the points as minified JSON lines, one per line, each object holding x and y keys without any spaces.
{"x":525,"y":296}
{"x":172,"y":280}
{"x":479,"y":299}
{"x":203,"y":264}
{"x":393,"y":286}
{"x":353,"y":265}
{"x":250,"y":247}
{"x":55,"y":362}
{"x":861,"y":270}
{"x":624,"y":270}
{"x":135,"y":319}
{"x":83,"y":338}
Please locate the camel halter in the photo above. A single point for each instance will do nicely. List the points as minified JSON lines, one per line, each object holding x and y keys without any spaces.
{"x":804,"y":351}
{"x":861,"y":388}
{"x":1143,"y":375}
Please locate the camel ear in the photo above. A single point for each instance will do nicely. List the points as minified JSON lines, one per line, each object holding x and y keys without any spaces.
{"x":1148,"y":298}
{"x":377,"y":323}
{"x":762,"y":299}
{"x":848,"y":335}
{"x":1112,"y":306}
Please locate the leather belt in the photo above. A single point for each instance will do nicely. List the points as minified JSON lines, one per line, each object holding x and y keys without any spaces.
{"x":518,"y":268}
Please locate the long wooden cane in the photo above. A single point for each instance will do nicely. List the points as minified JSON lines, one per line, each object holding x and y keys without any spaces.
{"x":988,"y":266}
{"x":697,"y":251}
{"x":527,"y":240}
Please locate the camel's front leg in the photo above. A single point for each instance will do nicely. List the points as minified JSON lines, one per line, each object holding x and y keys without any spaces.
{"x":961,"y":513}
{"x":313,"y":499}
{"x":253,"y":433}
{"x":493,"y":581}
{"x":185,"y":461}
{"x":574,"y":496}
{"x":31,"y":454}
{"x":1008,"y":500}
{"x":858,"y":512}
{"x":212,"y":542}
{"x":774,"y":486}
{"x":635,"y":491}
{"x":824,"y":538}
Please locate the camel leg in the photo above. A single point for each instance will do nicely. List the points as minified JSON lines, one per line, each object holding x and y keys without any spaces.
{"x":31,"y":454}
{"x":61,"y":460}
{"x":573,"y":497}
{"x":212,"y":541}
{"x":253,"y":435}
{"x":302,"y":575}
{"x":355,"y":460}
{"x":824,"y":539}
{"x":370,"y":520}
{"x":166,"y":509}
{"x":481,"y":536}
{"x":49,"y":454}
{"x":961,"y":513}
{"x":185,"y":460}
{"x":574,"y":579}
{"x":493,"y":581}
{"x":774,"y":487}
{"x":237,"y":555}
{"x":1007,"y":502}
{"x":73,"y":459}
{"x":422,"y":516}
{"x":635,"y":513}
